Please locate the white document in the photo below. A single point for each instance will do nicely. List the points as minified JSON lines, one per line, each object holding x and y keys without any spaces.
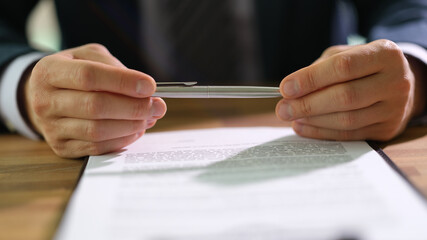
{"x":243,"y":183}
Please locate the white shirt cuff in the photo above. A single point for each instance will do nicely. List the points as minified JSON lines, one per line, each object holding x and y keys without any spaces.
{"x":9,"y":109}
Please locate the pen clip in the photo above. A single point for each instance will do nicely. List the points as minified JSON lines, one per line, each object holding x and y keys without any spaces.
{"x":175,"y":84}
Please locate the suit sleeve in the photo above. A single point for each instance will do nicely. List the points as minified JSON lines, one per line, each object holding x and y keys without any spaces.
{"x":13,"y":40}
{"x":401,"y":21}
{"x":13,"y":18}
{"x":396,"y":20}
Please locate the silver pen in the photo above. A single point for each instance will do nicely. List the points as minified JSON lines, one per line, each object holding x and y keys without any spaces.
{"x":191,"y":90}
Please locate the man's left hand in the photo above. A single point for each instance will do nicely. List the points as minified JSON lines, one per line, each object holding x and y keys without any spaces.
{"x":360,"y":92}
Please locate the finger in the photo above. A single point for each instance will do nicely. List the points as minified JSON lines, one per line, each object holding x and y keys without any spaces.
{"x":97,"y":130}
{"x":77,"y":148}
{"x":353,"y":64}
{"x":87,"y":75}
{"x":372,"y":132}
{"x":350,"y":120}
{"x":338,"y":98}
{"x":96,"y":53}
{"x":335,"y":49}
{"x":150,"y":123}
{"x":332,"y":51}
{"x":102,"y":105}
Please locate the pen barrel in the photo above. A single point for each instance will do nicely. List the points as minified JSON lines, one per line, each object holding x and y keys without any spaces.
{"x":217,"y":92}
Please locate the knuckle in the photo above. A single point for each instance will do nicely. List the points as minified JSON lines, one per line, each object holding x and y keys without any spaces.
{"x":94,"y":106}
{"x":140,"y":110}
{"x":401,"y":84}
{"x":42,"y":104}
{"x":85,"y":76}
{"x":310,"y":82}
{"x":332,"y":50}
{"x":56,"y":103}
{"x":46,"y":61}
{"x":305,"y":107}
{"x":94,"y":131}
{"x":50,"y":130}
{"x":42,"y":75}
{"x":342,"y":65}
{"x":40,"y":70}
{"x":347,"y":120}
{"x":390,"y":49}
{"x":329,"y":51}
{"x":39,"y":106}
{"x":122,"y":83}
{"x":388,"y":45}
{"x":96,"y":47}
{"x":347,"y":96}
{"x":404,"y":85}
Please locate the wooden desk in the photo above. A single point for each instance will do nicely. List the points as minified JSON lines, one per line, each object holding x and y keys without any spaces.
{"x":35,"y":185}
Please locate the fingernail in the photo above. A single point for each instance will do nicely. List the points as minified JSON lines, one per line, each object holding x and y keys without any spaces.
{"x":139,"y":87}
{"x":158,"y":109}
{"x":144,"y":88}
{"x":285,"y":111}
{"x":291,"y":88}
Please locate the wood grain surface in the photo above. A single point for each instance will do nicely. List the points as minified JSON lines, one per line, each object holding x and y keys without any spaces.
{"x":35,"y":185}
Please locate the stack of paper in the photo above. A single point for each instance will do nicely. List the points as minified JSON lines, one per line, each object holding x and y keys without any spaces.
{"x":243,"y":183}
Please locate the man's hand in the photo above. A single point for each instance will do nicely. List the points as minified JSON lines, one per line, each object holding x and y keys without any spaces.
{"x":352,"y":93}
{"x":86,"y":102}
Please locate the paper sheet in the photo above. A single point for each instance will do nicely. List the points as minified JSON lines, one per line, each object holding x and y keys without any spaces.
{"x":242,"y":183}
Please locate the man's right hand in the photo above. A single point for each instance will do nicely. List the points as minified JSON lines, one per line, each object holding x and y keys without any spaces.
{"x":86,"y":102}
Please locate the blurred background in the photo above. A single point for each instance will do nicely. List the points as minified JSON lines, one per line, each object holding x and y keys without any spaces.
{"x":42,"y":27}
{"x":43,"y":30}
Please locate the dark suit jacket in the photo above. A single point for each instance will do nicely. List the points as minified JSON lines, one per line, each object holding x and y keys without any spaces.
{"x":293,"y":33}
